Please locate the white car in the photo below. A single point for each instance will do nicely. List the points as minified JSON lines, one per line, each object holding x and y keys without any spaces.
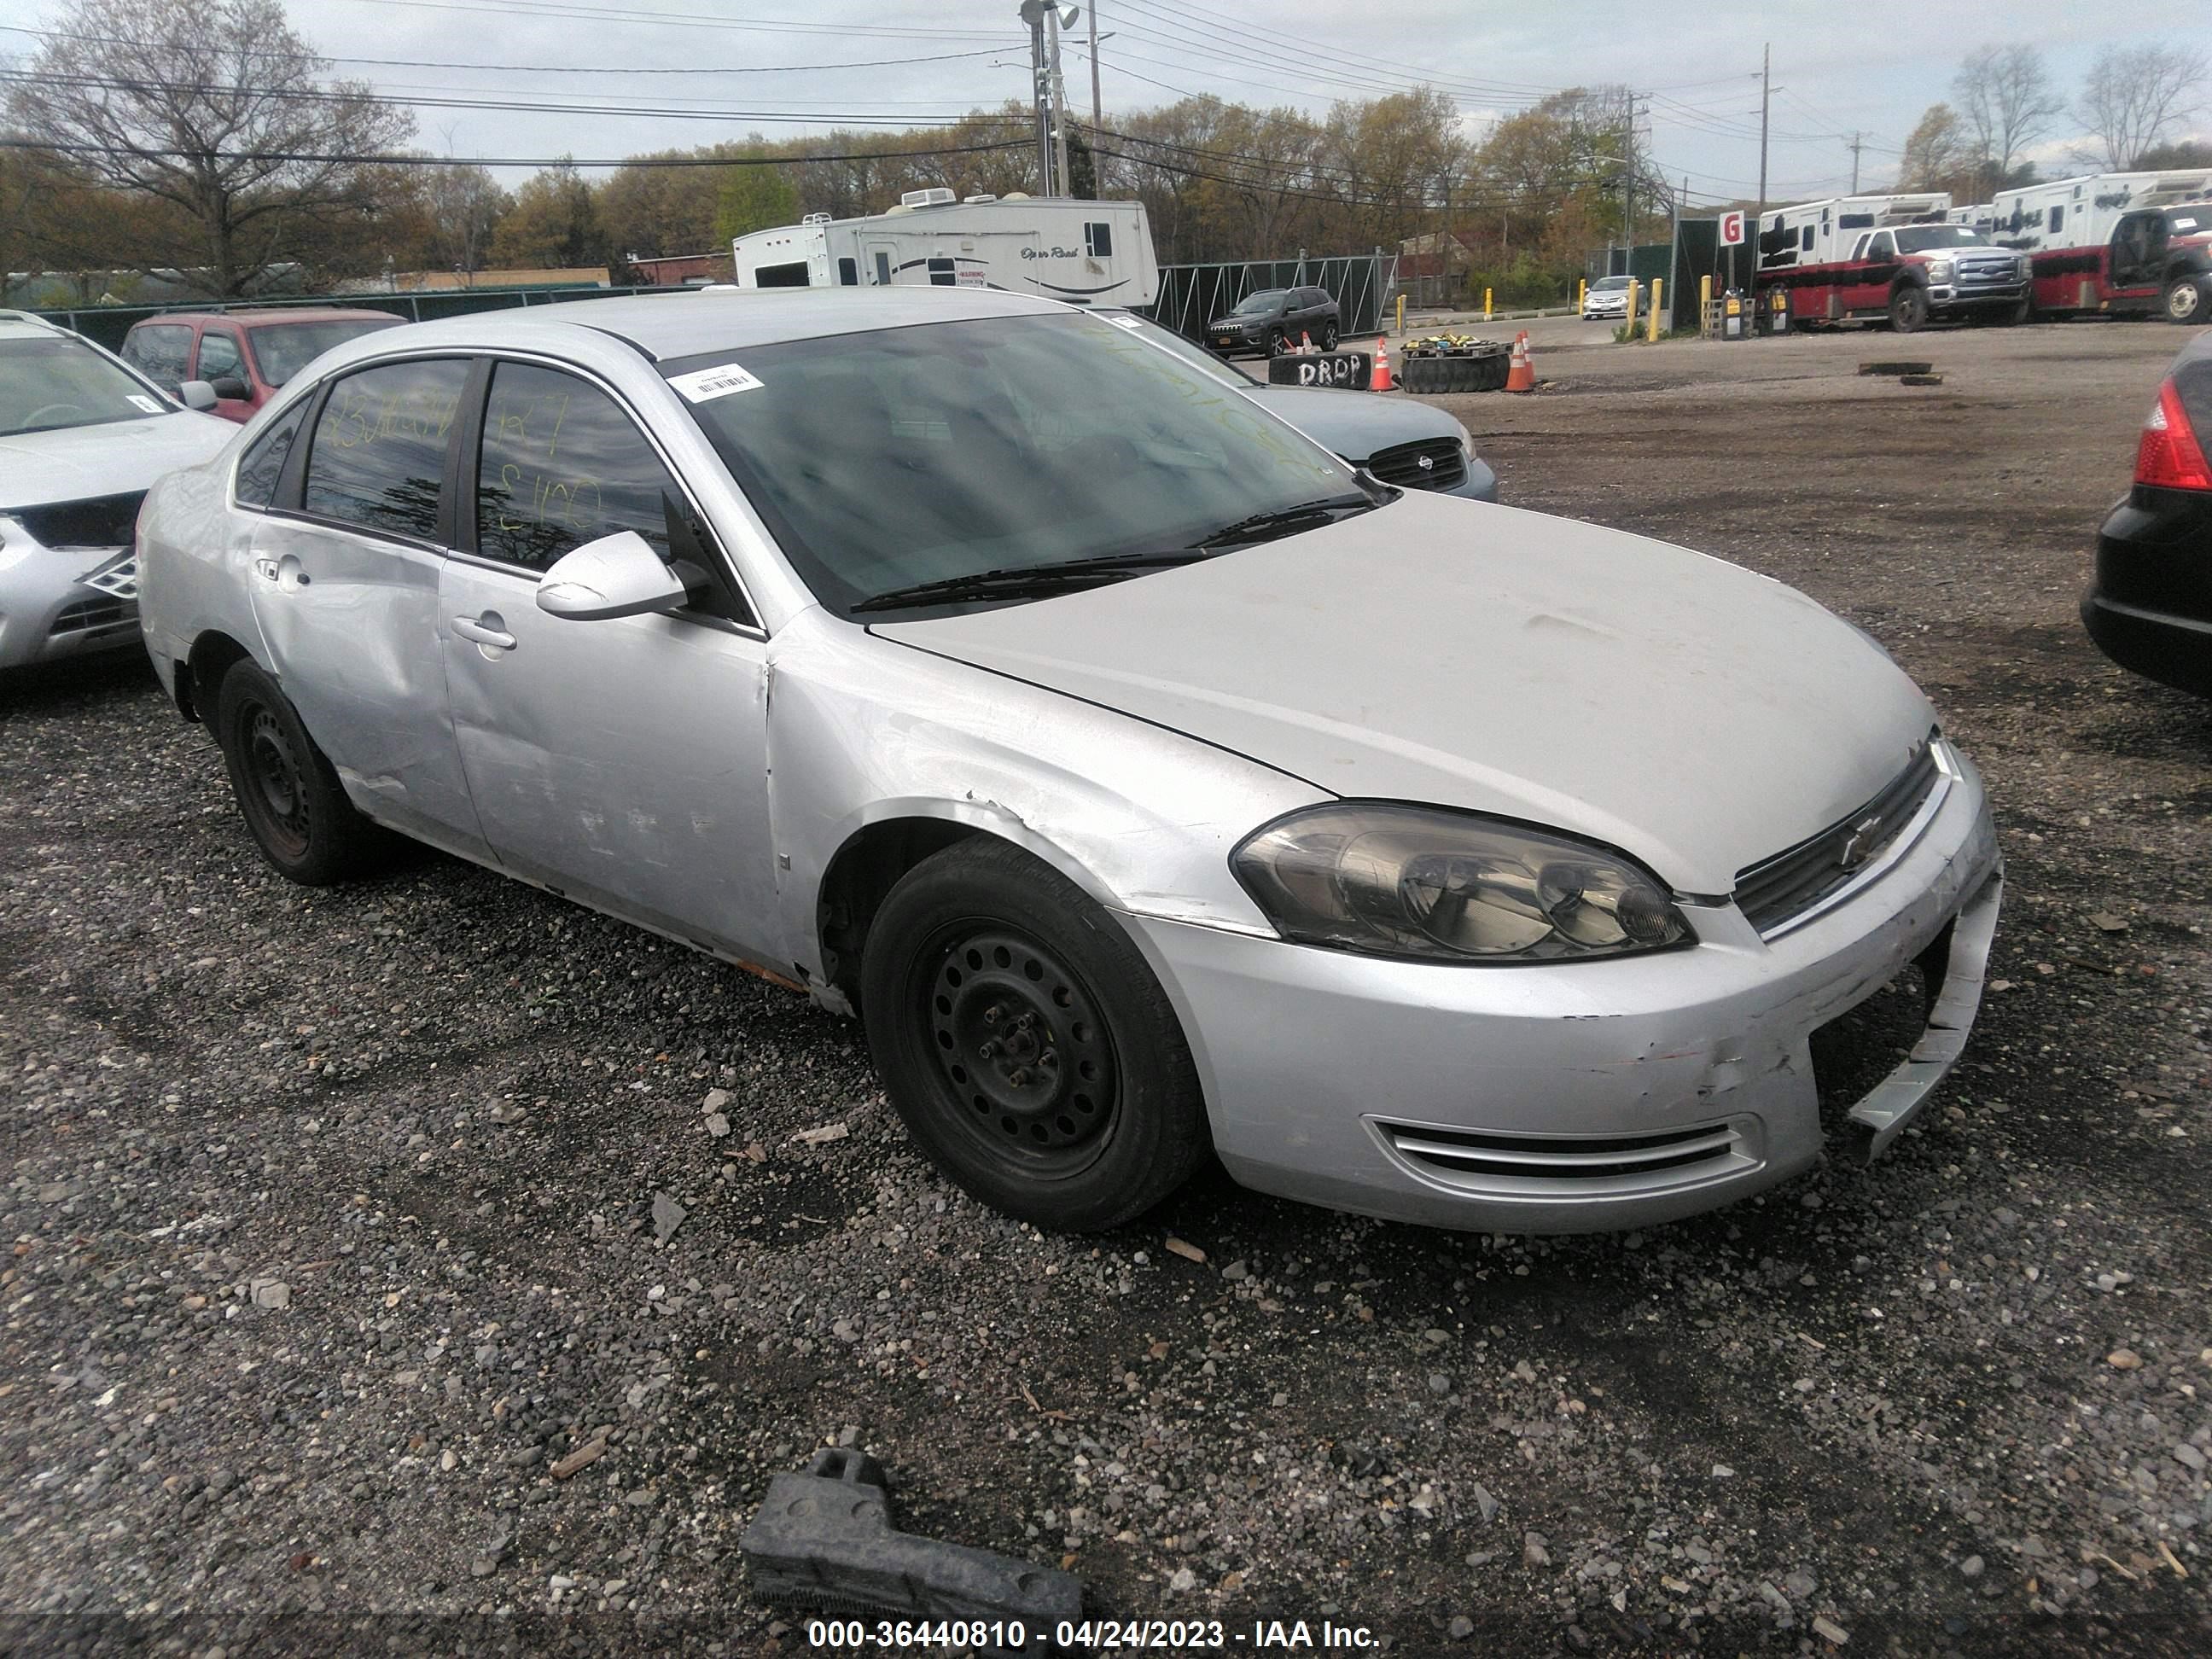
{"x":82,"y":437}
{"x":1605,"y":297}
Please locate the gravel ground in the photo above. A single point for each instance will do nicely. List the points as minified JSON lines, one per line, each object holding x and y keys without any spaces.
{"x":428,"y":1265}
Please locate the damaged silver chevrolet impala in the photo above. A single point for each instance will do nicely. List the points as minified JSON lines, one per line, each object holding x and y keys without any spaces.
{"x":1150,"y":782}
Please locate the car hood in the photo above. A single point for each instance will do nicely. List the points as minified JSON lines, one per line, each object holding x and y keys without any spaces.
{"x":1691,"y":713}
{"x":1353,"y":424}
{"x":113,"y":459}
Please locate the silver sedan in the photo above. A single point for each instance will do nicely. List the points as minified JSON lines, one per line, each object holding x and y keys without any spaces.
{"x":1149,"y":781}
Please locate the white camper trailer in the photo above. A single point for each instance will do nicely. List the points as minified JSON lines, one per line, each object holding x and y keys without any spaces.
{"x":2120,"y":243}
{"x":1085,"y":252}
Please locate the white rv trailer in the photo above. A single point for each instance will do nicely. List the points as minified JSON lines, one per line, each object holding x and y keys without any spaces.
{"x":1085,"y":252}
{"x":2119,"y":243}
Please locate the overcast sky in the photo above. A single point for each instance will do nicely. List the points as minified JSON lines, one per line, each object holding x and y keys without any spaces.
{"x":1835,"y":71}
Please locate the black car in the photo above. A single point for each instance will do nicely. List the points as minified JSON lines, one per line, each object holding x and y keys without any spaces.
{"x":1275,"y":320}
{"x":2150,"y":609}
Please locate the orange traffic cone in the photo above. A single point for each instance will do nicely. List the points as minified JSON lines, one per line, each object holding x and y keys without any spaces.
{"x":1305,"y":344}
{"x":1381,"y":380}
{"x":1522,"y":376}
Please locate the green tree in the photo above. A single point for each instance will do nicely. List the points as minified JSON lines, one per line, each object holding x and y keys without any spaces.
{"x":553,"y":224}
{"x":758,"y":197}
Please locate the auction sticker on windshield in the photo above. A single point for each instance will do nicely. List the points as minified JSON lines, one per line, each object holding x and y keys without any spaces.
{"x":144,"y":402}
{"x":704,"y":385}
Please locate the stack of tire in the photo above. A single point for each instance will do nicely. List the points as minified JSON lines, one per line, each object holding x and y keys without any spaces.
{"x":1455,"y":364}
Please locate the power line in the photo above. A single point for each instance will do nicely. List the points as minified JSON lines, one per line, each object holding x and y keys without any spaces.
{"x":402,"y":160}
{"x":540,"y":68}
{"x":575,"y":10}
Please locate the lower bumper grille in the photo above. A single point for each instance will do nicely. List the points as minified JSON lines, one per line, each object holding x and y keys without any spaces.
{"x":1431,"y":463}
{"x":1777,"y":890}
{"x":85,"y":615}
{"x":1533,"y":1163}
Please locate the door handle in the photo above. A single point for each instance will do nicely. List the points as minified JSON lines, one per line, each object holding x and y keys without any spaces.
{"x":470,"y":628}
{"x":266,"y":569}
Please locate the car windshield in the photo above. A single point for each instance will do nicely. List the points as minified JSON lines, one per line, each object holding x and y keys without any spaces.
{"x":46,"y":383}
{"x":283,"y":349}
{"x":1606,"y":284}
{"x":886,"y":460}
{"x":1922,"y":238}
{"x":1265,"y":300}
{"x":1168,"y":340}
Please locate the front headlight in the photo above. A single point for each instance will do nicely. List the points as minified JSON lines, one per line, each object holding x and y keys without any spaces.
{"x":1388,"y":880}
{"x":1939,"y":271}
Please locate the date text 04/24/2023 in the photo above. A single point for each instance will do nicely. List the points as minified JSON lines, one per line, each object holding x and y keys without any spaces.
{"x":1094,"y":1635}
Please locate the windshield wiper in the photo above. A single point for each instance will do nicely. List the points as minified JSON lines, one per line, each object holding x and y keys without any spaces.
{"x":1283,"y":520}
{"x":1034,"y":581}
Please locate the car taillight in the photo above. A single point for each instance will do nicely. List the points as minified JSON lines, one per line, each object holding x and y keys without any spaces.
{"x":2171,"y":455}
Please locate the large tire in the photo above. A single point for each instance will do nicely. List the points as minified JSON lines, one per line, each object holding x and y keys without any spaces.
{"x":2187,"y":300}
{"x":1026,"y":1043}
{"x":286,"y":789}
{"x":1908,"y":309}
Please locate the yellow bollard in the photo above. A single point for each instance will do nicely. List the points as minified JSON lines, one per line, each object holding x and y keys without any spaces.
{"x":1581,"y":295}
{"x":1485,"y":305}
{"x":1704,"y":305}
{"x":1401,"y":314}
{"x":1658,"y":294}
{"x":1635,"y":293}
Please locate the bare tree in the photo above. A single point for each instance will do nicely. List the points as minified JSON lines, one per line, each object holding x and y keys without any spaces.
{"x":215,"y":109}
{"x":466,"y":204}
{"x":2135,"y":93}
{"x":2008,"y":100}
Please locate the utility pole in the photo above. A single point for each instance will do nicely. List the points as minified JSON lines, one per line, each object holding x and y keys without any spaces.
{"x":1856,"y":144}
{"x":1628,"y":187}
{"x":1097,"y":119}
{"x":1059,"y":100}
{"x":1765,"y":97}
{"x":1033,"y":12}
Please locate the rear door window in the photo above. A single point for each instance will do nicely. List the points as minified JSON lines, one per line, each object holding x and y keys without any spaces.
{"x":377,"y":457}
{"x":261,"y":466}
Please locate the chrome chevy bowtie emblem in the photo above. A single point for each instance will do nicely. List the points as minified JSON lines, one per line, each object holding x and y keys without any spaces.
{"x":1858,"y":846}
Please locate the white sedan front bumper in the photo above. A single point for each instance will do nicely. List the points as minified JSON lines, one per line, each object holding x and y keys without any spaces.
{"x":1587,"y":1097}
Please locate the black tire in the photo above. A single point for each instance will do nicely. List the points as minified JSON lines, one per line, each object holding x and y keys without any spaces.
{"x":286,"y":789}
{"x":1087,"y":1111}
{"x":2186,"y":300}
{"x":1278,"y":343}
{"x":1328,"y":338}
{"x":1908,"y":309}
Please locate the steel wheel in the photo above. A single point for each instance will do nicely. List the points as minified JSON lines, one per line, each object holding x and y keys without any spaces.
{"x":1908,"y":310}
{"x":286,"y":789}
{"x":1022,"y":1049}
{"x":275,"y":799}
{"x":2186,"y":301}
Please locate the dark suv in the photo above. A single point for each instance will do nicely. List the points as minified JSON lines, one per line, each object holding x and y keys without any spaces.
{"x":1276,"y":319}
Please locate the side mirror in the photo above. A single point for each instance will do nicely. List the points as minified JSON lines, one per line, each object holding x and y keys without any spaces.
{"x":197,"y":394}
{"x":617,"y":576}
{"x":231,"y":388}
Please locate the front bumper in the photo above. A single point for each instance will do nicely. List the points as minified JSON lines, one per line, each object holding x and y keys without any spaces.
{"x":1237,"y":339}
{"x":61,"y":602}
{"x":1584,"y":1097}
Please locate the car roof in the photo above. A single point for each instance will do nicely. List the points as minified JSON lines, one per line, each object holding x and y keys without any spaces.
{"x":24,"y":325}
{"x":686,"y":323}
{"x":253,"y":317}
